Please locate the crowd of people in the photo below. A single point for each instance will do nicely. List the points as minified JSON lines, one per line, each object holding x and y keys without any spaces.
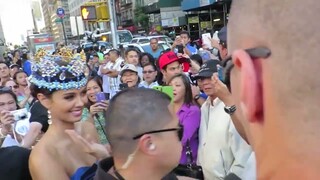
{"x":248,"y":112}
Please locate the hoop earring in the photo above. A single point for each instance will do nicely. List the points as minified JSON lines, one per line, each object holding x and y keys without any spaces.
{"x":49,"y":118}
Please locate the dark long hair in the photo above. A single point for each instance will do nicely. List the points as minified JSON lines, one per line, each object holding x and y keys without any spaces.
{"x":7,"y":90}
{"x":150,"y":57}
{"x":188,"y":100}
{"x":98,"y":80}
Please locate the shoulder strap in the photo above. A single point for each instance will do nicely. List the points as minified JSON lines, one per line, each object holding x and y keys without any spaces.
{"x":189,"y":153}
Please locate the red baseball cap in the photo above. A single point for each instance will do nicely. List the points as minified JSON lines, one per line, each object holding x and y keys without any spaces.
{"x":168,"y":58}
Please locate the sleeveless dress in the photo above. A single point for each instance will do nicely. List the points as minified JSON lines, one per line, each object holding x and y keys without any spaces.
{"x":84,"y":173}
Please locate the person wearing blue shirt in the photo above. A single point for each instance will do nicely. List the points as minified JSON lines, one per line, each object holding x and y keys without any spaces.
{"x":155,"y":50}
{"x":185,"y":36}
{"x":26,"y":66}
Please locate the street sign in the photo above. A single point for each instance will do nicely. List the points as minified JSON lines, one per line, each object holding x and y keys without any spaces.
{"x":58,"y":20}
{"x":60,"y":12}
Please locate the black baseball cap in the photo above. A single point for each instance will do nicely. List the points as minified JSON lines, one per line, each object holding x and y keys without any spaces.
{"x":222,"y":34}
{"x":208,"y":69}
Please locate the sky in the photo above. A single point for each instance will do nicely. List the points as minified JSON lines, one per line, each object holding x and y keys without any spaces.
{"x":16,"y":19}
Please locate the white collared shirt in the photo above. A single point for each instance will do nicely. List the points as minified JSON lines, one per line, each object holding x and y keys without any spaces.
{"x":150,"y":86}
{"x":114,"y":82}
{"x":221,"y":148}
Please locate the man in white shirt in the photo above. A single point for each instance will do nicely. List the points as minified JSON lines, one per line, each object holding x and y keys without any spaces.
{"x":105,"y":78}
{"x":221,"y":149}
{"x":112,"y":70}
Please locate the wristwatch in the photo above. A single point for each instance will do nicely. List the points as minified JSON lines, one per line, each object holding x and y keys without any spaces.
{"x":196,"y":97}
{"x":230,"y":109}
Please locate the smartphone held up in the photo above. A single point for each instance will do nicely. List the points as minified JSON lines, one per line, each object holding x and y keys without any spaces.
{"x":100,"y":97}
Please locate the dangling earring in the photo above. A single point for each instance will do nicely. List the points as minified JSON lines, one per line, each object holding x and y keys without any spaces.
{"x":49,"y":118}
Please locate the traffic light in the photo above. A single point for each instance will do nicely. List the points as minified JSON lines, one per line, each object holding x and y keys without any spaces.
{"x":95,"y":12}
{"x":103,"y":12}
{"x":88,"y":12}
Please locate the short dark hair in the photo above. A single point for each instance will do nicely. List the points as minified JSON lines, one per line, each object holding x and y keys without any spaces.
{"x":197,"y":58}
{"x":116,"y":51}
{"x":95,"y":55}
{"x":154,"y":39}
{"x":151,"y":64}
{"x":79,"y":49}
{"x":131,"y":49}
{"x":188,"y":99}
{"x":186,"y":33}
{"x":124,"y":119}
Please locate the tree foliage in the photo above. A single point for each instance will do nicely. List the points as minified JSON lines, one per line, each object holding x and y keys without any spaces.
{"x":141,"y":18}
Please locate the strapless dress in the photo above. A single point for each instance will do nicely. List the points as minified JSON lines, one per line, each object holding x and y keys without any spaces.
{"x":84,"y":173}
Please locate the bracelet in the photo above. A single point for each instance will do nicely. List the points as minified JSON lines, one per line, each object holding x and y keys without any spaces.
{"x":196,"y":97}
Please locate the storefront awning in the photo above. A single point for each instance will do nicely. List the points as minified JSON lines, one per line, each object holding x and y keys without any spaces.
{"x":198,"y":5}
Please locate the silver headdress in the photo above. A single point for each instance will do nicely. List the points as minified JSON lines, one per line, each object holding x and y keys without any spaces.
{"x":58,"y":72}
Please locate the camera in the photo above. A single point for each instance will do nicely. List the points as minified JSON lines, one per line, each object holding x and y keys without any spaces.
{"x":20,"y":114}
{"x":123,"y":86}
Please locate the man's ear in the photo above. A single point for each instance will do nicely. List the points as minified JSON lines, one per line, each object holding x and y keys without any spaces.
{"x":250,"y":85}
{"x":147,"y":146}
{"x":162,"y":71}
{"x":44,"y":100}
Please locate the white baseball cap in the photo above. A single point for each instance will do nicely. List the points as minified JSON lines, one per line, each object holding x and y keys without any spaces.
{"x":128,"y":67}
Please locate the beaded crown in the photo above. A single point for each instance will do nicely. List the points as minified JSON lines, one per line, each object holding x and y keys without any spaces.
{"x":58,"y":72}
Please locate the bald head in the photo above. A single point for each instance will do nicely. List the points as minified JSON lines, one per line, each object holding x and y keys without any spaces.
{"x":286,"y":28}
{"x":132,"y":112}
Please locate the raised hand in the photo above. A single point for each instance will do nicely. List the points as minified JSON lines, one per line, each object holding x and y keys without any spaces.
{"x":99,"y":151}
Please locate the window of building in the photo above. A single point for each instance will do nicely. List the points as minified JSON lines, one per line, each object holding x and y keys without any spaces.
{"x":67,"y":23}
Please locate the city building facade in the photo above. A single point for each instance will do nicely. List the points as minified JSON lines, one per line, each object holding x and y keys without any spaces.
{"x":152,"y":8}
{"x":2,"y":41}
{"x":127,"y":14}
{"x":205,"y":16}
{"x":47,"y":9}
{"x":53,"y":24}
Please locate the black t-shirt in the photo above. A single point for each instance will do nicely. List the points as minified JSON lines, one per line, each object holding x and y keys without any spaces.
{"x":107,"y":164}
{"x":14,"y":163}
{"x":39,"y":114}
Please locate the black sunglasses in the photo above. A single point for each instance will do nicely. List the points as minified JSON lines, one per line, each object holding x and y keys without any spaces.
{"x":254,"y":53}
{"x":5,"y":88}
{"x":179,"y":132}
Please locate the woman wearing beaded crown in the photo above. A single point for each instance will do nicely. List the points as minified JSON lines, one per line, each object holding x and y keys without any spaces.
{"x":59,"y":83}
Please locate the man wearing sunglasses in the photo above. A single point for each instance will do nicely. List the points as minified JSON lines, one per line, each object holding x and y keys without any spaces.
{"x":145,"y":139}
{"x":274,"y":78}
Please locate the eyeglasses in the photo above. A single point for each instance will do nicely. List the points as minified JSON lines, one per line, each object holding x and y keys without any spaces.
{"x":5,"y":88}
{"x":147,"y":72}
{"x":179,"y":132}
{"x":254,"y":53}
